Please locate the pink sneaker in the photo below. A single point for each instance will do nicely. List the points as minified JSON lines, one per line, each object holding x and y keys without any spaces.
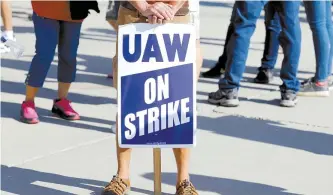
{"x":63,"y":109}
{"x":28,"y":113}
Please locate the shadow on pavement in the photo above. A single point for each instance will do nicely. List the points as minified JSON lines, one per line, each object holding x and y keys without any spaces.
{"x":102,"y":30}
{"x":251,"y":69}
{"x":12,"y":110}
{"x":223,"y":186}
{"x":269,"y":132}
{"x":19,"y":88}
{"x":94,"y":64}
{"x":21,"y":181}
{"x":23,"y":29}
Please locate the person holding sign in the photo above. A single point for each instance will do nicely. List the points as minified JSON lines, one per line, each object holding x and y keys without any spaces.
{"x":153,"y":12}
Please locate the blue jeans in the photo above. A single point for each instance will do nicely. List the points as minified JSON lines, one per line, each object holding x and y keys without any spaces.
{"x":50,"y":33}
{"x":319,"y":18}
{"x":245,"y":23}
{"x":273,"y":29}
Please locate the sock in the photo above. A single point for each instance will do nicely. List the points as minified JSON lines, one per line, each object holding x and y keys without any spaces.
{"x":8,"y":34}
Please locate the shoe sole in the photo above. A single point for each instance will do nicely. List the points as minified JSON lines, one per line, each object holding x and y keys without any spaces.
{"x":58,"y":113}
{"x":127,"y":192}
{"x":225,"y":103}
{"x":288,"y":103}
{"x":29,"y":121}
{"x":315,"y":94}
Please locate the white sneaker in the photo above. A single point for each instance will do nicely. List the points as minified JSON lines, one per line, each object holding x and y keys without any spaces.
{"x":4,"y":48}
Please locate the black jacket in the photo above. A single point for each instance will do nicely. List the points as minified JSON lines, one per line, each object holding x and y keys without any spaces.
{"x":80,"y":9}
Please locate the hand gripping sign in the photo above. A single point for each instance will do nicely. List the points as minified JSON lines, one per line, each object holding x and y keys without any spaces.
{"x":156,"y":86}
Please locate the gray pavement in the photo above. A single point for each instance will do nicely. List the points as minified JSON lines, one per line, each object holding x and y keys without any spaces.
{"x":255,"y":149}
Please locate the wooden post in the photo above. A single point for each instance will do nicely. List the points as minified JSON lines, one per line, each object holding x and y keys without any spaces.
{"x":157,"y":171}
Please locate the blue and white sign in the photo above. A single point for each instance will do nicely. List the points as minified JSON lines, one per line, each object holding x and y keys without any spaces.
{"x":156,"y":85}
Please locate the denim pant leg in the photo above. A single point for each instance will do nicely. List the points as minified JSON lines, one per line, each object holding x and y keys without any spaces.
{"x":223,"y":58}
{"x":316,"y":15}
{"x":46,"y":32}
{"x":290,"y":40}
{"x":329,"y":24}
{"x":246,"y":16}
{"x":273,"y":29}
{"x":67,"y":51}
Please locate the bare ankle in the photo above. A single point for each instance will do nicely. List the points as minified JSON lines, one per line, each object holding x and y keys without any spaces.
{"x":181,"y":178}
{"x":123,"y":175}
{"x":29,"y":99}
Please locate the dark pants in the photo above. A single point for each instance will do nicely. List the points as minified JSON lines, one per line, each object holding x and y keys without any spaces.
{"x":244,"y":24}
{"x":112,"y":10}
{"x":273,"y":29}
{"x":50,"y":33}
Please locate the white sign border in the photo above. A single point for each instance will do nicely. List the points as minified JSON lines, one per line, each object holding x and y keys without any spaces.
{"x":195,"y":130}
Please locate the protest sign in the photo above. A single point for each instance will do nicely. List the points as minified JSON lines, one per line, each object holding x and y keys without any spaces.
{"x":156,"y":85}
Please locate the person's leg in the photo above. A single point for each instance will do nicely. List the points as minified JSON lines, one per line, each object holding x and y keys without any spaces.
{"x":316,"y":15}
{"x":123,"y":154}
{"x":290,"y":40}
{"x":273,"y":29}
{"x":317,"y":18}
{"x":182,"y":156}
{"x":6,"y":15}
{"x":329,"y":25}
{"x":111,"y":17}
{"x":268,"y":61}
{"x":46,"y":31}
{"x":219,"y":67}
{"x":245,"y":23}
{"x":120,"y":184}
{"x":69,"y":37}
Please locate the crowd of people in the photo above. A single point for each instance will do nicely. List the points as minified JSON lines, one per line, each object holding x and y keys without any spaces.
{"x":282,"y":28}
{"x":58,"y":23}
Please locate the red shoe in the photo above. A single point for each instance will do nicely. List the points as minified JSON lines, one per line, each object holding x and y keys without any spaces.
{"x":63,"y":109}
{"x":28,"y":113}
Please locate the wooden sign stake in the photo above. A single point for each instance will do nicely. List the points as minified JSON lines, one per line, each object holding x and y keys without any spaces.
{"x":157,"y":171}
